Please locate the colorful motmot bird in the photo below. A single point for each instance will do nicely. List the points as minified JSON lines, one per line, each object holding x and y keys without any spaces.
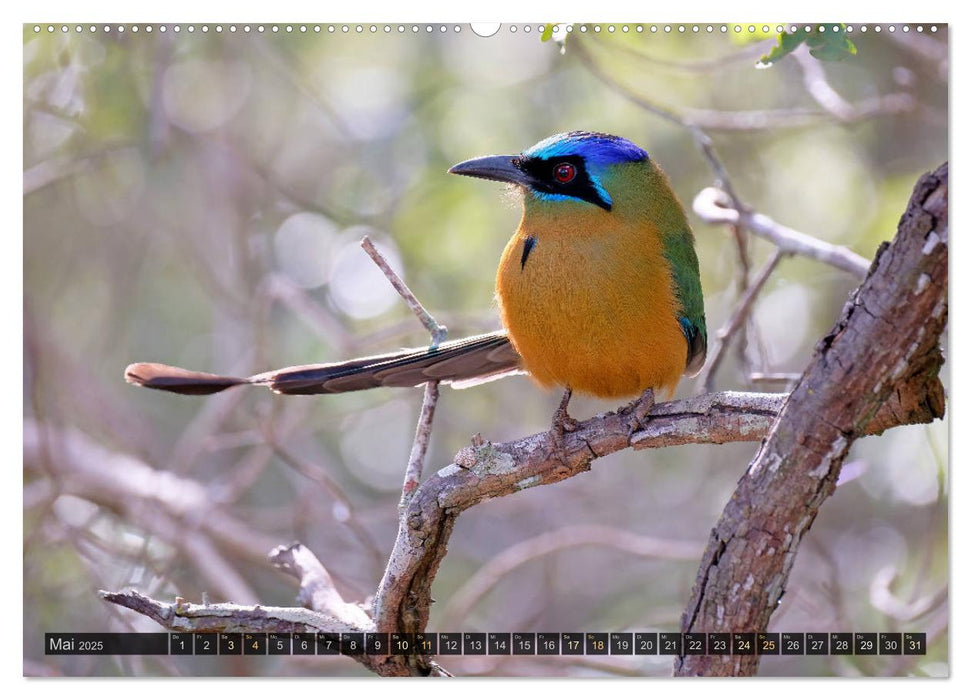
{"x":598,"y":288}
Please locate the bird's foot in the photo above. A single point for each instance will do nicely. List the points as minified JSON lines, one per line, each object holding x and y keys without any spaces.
{"x":563,"y":423}
{"x":640,"y":410}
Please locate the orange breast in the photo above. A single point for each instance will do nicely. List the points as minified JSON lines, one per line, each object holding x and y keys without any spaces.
{"x":593,"y":306}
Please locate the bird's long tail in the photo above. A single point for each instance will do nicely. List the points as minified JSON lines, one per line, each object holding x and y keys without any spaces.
{"x":466,"y":361}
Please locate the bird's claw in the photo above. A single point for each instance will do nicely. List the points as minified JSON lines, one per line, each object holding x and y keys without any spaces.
{"x":640,"y":410}
{"x":563,"y":423}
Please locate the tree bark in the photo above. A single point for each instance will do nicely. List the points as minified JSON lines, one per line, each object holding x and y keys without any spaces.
{"x":877,"y":365}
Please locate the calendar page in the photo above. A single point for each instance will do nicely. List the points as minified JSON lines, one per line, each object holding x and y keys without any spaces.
{"x":524,"y":349}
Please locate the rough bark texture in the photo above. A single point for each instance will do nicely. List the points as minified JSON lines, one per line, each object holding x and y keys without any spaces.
{"x":878,"y":365}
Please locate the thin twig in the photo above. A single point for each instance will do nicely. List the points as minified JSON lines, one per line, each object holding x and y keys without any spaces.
{"x":423,"y":430}
{"x":739,"y":316}
{"x":438,"y":332}
{"x":744,"y":261}
{"x":741,"y":239}
{"x":712,"y":205}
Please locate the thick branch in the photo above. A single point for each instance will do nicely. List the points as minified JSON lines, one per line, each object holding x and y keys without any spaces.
{"x":181,"y":616}
{"x":886,"y":340}
{"x":490,"y":470}
{"x":143,"y":494}
{"x":487,"y":471}
{"x":479,"y":473}
{"x":317,"y":589}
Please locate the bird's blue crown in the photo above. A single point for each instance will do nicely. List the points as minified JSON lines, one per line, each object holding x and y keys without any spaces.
{"x":595,"y":148}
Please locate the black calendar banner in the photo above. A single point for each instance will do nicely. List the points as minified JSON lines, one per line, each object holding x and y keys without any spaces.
{"x":486,"y":644}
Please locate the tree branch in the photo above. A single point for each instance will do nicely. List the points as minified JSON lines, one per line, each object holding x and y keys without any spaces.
{"x":181,"y":616}
{"x":737,"y":320}
{"x":886,"y":342}
{"x":423,"y":431}
{"x":437,"y":331}
{"x":488,"y":471}
{"x":317,"y":589}
{"x":423,"y":435}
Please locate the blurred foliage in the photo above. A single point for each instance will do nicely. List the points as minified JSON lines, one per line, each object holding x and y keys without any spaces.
{"x":743,"y":33}
{"x":198,"y":198}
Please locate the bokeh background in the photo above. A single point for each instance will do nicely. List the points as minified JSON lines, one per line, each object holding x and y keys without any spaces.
{"x":198,"y":198}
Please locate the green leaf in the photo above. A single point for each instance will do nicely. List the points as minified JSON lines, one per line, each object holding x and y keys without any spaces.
{"x":825,"y":44}
{"x":787,"y":44}
{"x":547,"y":31}
{"x":830,"y":45}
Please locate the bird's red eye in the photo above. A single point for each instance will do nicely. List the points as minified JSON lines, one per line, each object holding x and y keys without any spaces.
{"x":564,"y":172}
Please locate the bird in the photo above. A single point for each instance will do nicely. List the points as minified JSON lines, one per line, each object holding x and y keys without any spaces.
{"x":598,"y":290}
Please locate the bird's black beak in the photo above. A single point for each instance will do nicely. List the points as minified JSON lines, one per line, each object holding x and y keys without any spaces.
{"x":501,"y":168}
